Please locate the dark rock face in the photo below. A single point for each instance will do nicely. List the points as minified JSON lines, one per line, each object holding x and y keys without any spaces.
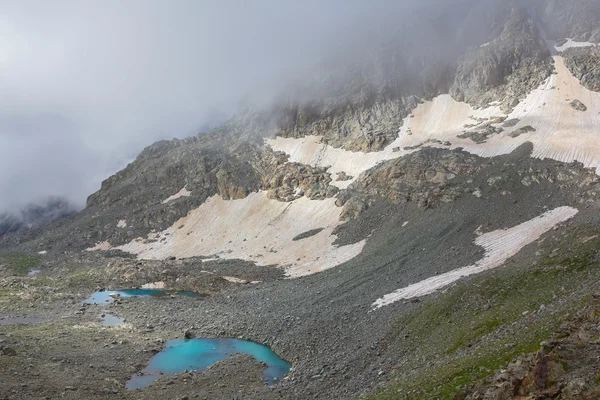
{"x":505,"y":69}
{"x":432,"y":177}
{"x":584,"y":64}
{"x":575,"y":19}
{"x":521,"y":131}
{"x":205,"y":165}
{"x":423,"y":177}
{"x":578,"y":105}
{"x":291,"y":181}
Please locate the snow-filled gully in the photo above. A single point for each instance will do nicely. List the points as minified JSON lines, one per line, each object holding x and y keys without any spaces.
{"x":499,"y":246}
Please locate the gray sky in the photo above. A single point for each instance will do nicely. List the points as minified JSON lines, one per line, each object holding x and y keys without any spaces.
{"x":87,"y":84}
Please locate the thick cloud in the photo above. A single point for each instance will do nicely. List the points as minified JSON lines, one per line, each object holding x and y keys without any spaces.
{"x":87,"y":84}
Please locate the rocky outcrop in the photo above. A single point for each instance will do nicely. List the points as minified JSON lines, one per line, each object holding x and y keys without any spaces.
{"x":431,"y":177}
{"x":205,"y":165}
{"x":426,"y":177}
{"x":368,"y":125}
{"x":578,"y":105}
{"x":584,"y":64}
{"x":291,"y":181}
{"x":505,"y":69}
{"x":564,"y":368}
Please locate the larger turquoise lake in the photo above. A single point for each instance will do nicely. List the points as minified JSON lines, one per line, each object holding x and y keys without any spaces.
{"x":198,"y":354}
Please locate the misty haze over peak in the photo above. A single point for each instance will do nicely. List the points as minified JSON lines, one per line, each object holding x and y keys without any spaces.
{"x":87,"y":85}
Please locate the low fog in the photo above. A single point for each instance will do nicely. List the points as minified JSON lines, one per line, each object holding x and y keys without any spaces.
{"x":87,"y":84}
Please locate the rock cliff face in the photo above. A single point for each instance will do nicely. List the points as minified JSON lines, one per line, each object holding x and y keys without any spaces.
{"x":576,"y":19}
{"x":427,"y":178}
{"x":564,"y":367}
{"x":505,"y":69}
{"x":203,"y":166}
{"x":584,"y":64}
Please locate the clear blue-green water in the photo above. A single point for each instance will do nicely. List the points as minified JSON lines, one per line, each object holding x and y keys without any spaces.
{"x":106,"y":296}
{"x":198,"y":354}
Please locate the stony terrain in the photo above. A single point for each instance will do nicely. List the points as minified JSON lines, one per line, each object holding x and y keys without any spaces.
{"x":401,"y":162}
{"x":584,"y":63}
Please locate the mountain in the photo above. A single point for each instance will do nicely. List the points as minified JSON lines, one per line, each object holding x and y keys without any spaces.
{"x":420,"y":221}
{"x":34,"y":216}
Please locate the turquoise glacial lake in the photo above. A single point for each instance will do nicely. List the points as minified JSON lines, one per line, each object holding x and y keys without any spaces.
{"x":198,"y":354}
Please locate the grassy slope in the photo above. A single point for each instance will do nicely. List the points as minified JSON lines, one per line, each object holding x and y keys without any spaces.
{"x":458,"y":337}
{"x":19,"y":263}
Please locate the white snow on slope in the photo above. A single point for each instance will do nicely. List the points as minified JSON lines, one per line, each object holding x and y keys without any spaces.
{"x":571,"y":44}
{"x":309,"y":150}
{"x":182,"y":193}
{"x":257,"y":229}
{"x":562,"y":133}
{"x":499,"y":246}
{"x":442,"y":118}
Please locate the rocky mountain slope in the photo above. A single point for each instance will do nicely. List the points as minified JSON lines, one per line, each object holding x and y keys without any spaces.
{"x":411,"y":223}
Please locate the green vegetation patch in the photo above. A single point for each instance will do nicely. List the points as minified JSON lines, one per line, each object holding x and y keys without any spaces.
{"x":454,"y":339}
{"x":20,"y":263}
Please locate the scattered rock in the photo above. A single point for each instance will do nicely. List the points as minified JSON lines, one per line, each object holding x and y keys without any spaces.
{"x":307,"y":234}
{"x":342,"y":176}
{"x":521,"y":131}
{"x":578,"y":105}
{"x":188,"y":333}
{"x":510,"y":122}
{"x":8,"y":351}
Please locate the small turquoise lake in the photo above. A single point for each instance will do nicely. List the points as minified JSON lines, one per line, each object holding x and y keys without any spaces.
{"x":198,"y":354}
{"x":107,"y":296}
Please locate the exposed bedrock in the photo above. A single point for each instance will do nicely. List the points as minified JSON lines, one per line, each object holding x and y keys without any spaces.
{"x":434,"y":176}
{"x":575,"y":19}
{"x":291,"y":181}
{"x":507,"y":68}
{"x":584,"y":64}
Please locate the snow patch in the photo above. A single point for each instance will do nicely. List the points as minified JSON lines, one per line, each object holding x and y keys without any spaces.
{"x":560,"y":132}
{"x":257,"y":229}
{"x":499,"y":246}
{"x":122,"y":224}
{"x":571,"y":44}
{"x":182,"y":193}
{"x":42,"y":252}
{"x":440,"y":119}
